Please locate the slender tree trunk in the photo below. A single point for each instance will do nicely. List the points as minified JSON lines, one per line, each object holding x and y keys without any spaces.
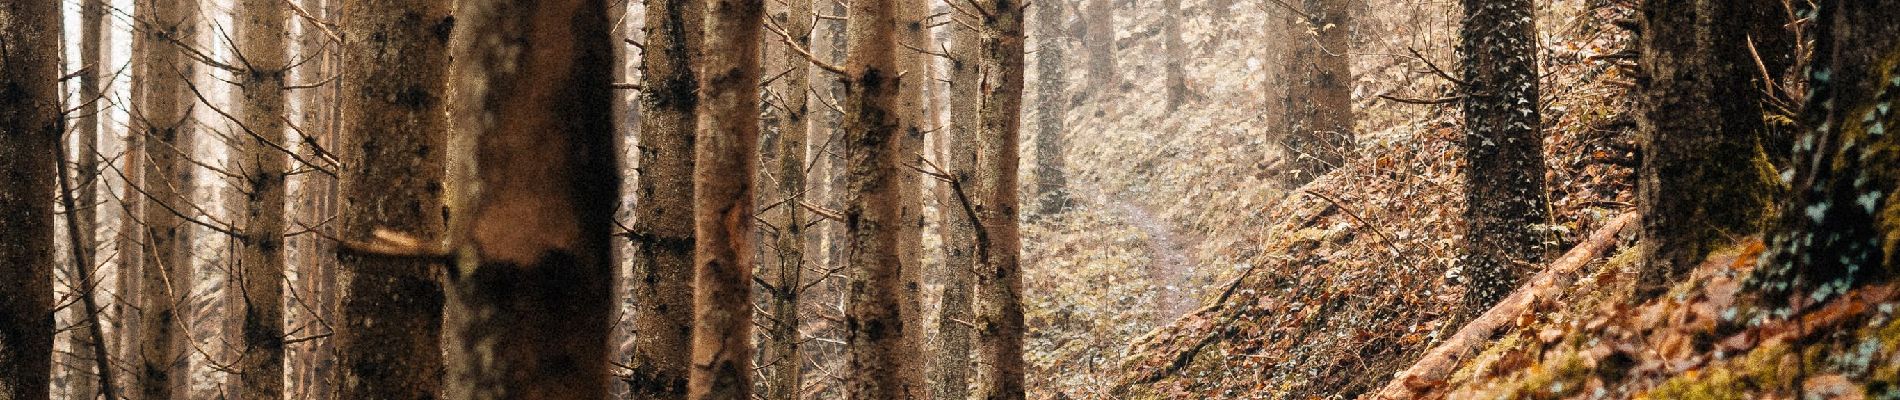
{"x":532,"y":282}
{"x":30,"y":123}
{"x":1841,"y":227}
{"x":1052,"y":103}
{"x":1098,"y":21}
{"x":163,"y":363}
{"x":310,"y":368}
{"x":999,"y":304}
{"x":883,"y":363}
{"x":1319,"y":135}
{"x":950,"y":374}
{"x":784,"y":372}
{"x":1705,"y":177}
{"x":834,"y":123}
{"x":726,"y":159}
{"x":263,"y":41}
{"x":92,"y":38}
{"x":90,"y":314}
{"x":912,"y":33}
{"x":130,"y":240}
{"x":395,"y":139}
{"x":1174,"y":54}
{"x":1277,"y":86}
{"x":1504,"y":153}
{"x":663,"y":217}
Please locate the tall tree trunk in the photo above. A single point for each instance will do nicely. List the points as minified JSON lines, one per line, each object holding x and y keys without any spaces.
{"x":912,"y":33}
{"x":1098,"y":21}
{"x":30,"y":123}
{"x":264,"y":43}
{"x":1504,"y":153}
{"x":726,"y":160}
{"x":395,"y":143}
{"x":663,"y":217}
{"x":315,"y":272}
{"x":950,"y":374}
{"x":1174,"y":54}
{"x":1052,"y":104}
{"x":883,"y":363}
{"x":784,"y":372}
{"x":131,"y":236}
{"x":92,"y":38}
{"x":1276,"y":51}
{"x":999,"y":304}
{"x":532,"y":282}
{"x":163,"y":364}
{"x":1319,"y":133}
{"x":1705,"y":177}
{"x":1841,"y":227}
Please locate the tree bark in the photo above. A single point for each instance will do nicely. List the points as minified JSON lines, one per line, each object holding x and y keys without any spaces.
{"x":1504,"y":154}
{"x":163,"y":364}
{"x":30,"y":123}
{"x":531,"y":285}
{"x":80,"y":370}
{"x":784,"y":370}
{"x":1705,"y":177}
{"x":999,"y":305}
{"x":130,"y":240}
{"x":880,"y":113}
{"x":950,"y":372}
{"x":395,"y":142}
{"x":1173,"y":54}
{"x":726,"y":162}
{"x":1098,"y":21}
{"x":263,"y":43}
{"x":1052,"y":104}
{"x":1841,"y":227}
{"x":1319,"y":119}
{"x":313,"y":362}
{"x":663,"y":217}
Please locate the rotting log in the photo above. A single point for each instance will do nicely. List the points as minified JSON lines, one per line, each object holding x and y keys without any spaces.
{"x":1439,"y":363}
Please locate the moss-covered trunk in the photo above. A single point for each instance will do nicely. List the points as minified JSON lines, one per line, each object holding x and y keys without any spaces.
{"x":1704,"y":177}
{"x":1504,"y":153}
{"x":1841,"y":227}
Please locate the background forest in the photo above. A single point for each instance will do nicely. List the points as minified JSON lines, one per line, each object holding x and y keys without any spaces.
{"x":949,"y":199}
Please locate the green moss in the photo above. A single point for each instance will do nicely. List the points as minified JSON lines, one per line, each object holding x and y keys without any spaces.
{"x":1471,"y":370}
{"x":1553,"y":380}
{"x":1740,"y":378}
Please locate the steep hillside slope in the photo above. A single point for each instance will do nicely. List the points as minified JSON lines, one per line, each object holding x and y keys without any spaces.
{"x":1318,"y":291}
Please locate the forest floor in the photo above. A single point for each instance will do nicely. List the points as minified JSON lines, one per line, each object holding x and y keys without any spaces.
{"x":1330,"y":289}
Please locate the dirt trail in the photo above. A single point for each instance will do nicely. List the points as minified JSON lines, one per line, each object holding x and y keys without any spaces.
{"x":1170,"y":268}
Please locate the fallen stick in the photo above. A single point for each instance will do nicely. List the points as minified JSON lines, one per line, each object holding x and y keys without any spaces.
{"x":1439,"y":363}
